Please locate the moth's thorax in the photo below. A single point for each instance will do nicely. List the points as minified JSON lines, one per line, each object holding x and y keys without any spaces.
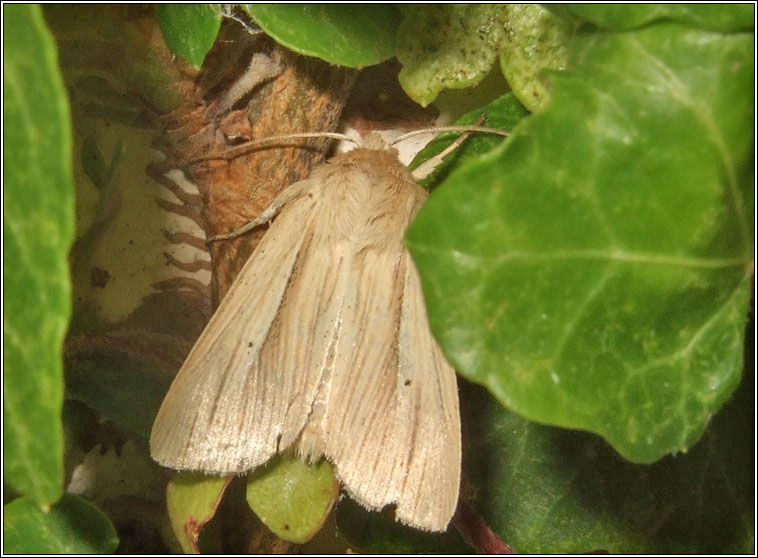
{"x":368,"y":196}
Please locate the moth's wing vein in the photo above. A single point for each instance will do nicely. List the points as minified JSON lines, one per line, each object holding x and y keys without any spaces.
{"x":392,"y":427}
{"x":303,"y":334}
{"x":431,"y":399}
{"x":208,"y":420}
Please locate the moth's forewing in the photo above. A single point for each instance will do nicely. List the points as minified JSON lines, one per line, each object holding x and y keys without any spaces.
{"x":323,"y":340}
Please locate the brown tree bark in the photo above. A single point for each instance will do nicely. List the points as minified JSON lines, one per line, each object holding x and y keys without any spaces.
{"x":307,"y":96}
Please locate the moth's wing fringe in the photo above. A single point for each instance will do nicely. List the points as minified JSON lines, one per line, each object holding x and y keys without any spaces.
{"x":222,"y":414}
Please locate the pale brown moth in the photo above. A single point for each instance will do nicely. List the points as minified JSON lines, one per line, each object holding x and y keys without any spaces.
{"x":323,"y":342}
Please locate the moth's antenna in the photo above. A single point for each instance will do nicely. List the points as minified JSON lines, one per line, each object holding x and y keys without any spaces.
{"x":426,"y":168}
{"x":449,"y":129}
{"x":237,"y":150}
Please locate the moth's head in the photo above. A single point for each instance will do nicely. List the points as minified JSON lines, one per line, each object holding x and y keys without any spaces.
{"x":375,"y":141}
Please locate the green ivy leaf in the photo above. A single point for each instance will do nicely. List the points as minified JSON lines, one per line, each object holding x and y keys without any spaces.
{"x":600,"y":262}
{"x":345,"y":34}
{"x":121,"y":384}
{"x":189,"y":30}
{"x":552,"y":491}
{"x":716,"y":17}
{"x":192,"y":500}
{"x":456,"y":46}
{"x":450,"y":46}
{"x":291,"y":497}
{"x":537,"y":40}
{"x":38,"y":228}
{"x":71,"y":526}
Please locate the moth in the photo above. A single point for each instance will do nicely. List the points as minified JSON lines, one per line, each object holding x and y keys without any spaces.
{"x":323,"y":343}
